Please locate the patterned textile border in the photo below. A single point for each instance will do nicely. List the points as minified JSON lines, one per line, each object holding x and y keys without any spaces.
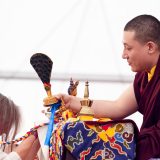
{"x":93,"y":140}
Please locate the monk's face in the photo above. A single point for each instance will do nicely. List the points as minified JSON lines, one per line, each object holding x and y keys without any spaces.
{"x":135,"y":52}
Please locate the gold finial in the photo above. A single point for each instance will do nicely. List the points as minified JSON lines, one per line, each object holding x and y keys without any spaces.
{"x":86,"y":103}
{"x":86,"y":91}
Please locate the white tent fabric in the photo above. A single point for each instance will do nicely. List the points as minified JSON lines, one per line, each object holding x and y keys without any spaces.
{"x":82,"y":37}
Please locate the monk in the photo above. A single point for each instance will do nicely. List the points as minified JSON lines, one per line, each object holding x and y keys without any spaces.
{"x":141,"y":40}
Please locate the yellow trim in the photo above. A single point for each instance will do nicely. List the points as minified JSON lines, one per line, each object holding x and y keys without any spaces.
{"x":151,"y":73}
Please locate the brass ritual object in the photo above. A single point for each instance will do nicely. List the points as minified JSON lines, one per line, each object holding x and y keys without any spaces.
{"x":43,"y":67}
{"x":86,"y":103}
{"x":50,"y":99}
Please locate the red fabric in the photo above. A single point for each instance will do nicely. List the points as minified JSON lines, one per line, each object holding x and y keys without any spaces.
{"x":148,"y":99}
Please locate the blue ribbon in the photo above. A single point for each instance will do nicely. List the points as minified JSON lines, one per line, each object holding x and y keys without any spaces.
{"x":54,"y":107}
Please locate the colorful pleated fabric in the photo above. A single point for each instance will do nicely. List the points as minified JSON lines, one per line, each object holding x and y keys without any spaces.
{"x":96,"y":140}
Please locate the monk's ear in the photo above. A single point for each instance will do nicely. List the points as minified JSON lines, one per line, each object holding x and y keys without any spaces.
{"x":151,"y":47}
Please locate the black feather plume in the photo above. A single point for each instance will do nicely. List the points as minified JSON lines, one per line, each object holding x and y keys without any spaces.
{"x":42,"y":64}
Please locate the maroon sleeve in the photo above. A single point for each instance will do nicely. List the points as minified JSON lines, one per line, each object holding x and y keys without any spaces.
{"x":148,"y":142}
{"x":137,"y":84}
{"x":148,"y":145}
{"x":138,"y":87}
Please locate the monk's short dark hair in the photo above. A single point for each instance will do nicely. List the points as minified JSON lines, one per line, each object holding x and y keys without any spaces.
{"x":146,"y":28}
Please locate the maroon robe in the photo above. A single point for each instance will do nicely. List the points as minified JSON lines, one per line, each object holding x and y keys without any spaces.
{"x":148,"y":99}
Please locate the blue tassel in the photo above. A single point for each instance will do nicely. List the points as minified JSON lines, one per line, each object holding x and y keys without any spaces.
{"x":54,"y":107}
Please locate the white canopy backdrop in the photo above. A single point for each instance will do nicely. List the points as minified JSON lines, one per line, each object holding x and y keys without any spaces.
{"x":82,"y":37}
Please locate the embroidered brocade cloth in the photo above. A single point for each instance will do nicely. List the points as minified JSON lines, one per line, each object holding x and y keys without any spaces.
{"x":94,"y":140}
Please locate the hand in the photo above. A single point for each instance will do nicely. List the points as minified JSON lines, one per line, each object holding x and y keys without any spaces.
{"x":25,"y":147}
{"x":70,"y":102}
{"x":32,"y":154}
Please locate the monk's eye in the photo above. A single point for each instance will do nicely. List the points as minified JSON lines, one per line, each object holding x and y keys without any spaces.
{"x":127,"y":48}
